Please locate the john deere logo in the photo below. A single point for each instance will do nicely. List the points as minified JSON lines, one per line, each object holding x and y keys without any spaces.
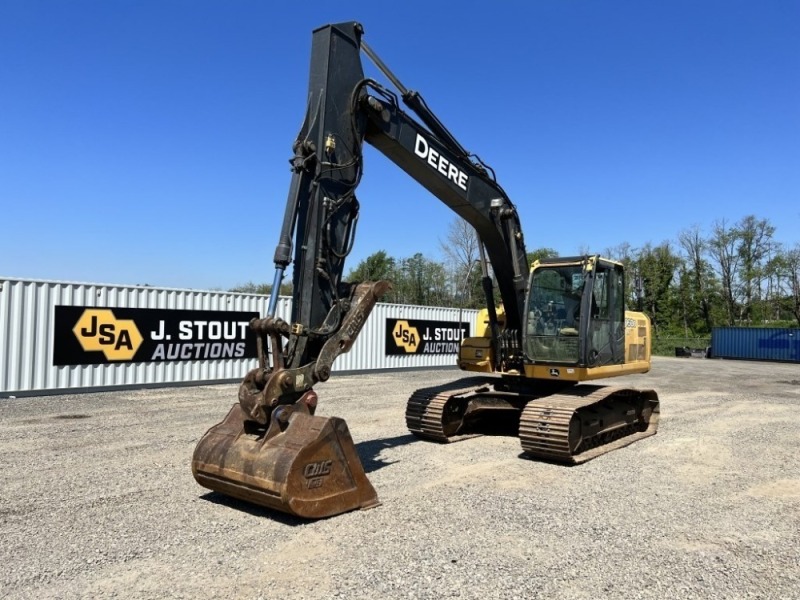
{"x":98,"y":330}
{"x":405,"y":336}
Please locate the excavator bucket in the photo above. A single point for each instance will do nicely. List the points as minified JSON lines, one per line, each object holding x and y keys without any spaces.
{"x":300,"y":464}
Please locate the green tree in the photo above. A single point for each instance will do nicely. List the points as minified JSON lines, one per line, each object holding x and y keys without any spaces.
{"x":540,"y":253}
{"x":776,"y":305}
{"x":424,"y":282}
{"x":754,"y":245}
{"x":657,"y":267}
{"x":791,"y":266}
{"x":375,"y":267}
{"x":722,"y":246}
{"x":700,"y":280}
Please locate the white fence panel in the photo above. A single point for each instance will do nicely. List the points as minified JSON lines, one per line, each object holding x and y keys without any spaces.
{"x":27,"y":334}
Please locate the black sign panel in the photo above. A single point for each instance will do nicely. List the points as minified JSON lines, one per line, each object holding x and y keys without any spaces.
{"x":87,"y":335}
{"x":415,"y":336}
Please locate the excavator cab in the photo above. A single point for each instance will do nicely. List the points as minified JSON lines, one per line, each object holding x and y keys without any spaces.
{"x":576,"y":312}
{"x":575,"y":329}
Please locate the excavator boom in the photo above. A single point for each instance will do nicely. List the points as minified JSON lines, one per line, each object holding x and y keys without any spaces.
{"x":262,"y":451}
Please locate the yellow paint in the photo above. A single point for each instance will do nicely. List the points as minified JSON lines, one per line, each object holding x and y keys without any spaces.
{"x":405,"y":336}
{"x":98,"y":330}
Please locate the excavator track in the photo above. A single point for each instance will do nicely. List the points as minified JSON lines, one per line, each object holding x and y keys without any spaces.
{"x":586,"y":421}
{"x":432,"y":413}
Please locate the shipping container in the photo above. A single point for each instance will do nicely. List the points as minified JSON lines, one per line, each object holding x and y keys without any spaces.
{"x":756,"y":343}
{"x":58,"y":336}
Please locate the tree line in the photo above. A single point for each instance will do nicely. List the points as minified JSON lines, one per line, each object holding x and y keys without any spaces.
{"x":735,"y":273}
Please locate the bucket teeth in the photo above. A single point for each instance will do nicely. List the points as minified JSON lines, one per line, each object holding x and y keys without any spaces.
{"x":310,"y":469}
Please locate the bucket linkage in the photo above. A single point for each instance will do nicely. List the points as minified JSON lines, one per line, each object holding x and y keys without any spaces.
{"x":271,"y":449}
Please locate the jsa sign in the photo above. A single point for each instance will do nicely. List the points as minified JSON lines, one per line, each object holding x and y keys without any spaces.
{"x":415,"y":336}
{"x":90,"y":335}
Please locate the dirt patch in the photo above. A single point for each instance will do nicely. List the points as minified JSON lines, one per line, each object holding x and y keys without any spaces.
{"x":780,"y":488}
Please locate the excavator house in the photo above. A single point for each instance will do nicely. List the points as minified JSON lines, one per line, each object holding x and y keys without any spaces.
{"x":561,"y":322}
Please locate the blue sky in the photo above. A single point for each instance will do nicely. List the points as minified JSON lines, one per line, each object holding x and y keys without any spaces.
{"x":147,"y":142}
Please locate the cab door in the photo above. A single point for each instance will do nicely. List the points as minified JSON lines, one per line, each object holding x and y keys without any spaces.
{"x":604,"y":304}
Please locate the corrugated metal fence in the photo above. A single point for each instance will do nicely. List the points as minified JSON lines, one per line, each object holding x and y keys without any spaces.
{"x":756,"y":343}
{"x":27,"y":336}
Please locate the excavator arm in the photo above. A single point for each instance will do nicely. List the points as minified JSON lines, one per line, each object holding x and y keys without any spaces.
{"x":344,"y":110}
{"x":271,"y":449}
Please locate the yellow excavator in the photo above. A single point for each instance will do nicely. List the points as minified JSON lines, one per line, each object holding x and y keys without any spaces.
{"x":561,"y":321}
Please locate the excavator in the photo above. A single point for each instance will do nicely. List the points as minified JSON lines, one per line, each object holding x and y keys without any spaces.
{"x":559,"y":322}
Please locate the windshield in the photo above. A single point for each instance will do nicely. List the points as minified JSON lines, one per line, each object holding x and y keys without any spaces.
{"x":553,"y":313}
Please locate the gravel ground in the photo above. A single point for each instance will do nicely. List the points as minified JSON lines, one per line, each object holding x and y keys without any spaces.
{"x":97,"y":501}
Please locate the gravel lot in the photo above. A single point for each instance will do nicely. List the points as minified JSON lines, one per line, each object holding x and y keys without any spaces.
{"x":97,"y":500}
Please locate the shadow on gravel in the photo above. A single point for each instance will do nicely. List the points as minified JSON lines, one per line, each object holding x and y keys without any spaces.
{"x":547,"y":461}
{"x":253,"y":509}
{"x":498,"y":423}
{"x":368,"y":451}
